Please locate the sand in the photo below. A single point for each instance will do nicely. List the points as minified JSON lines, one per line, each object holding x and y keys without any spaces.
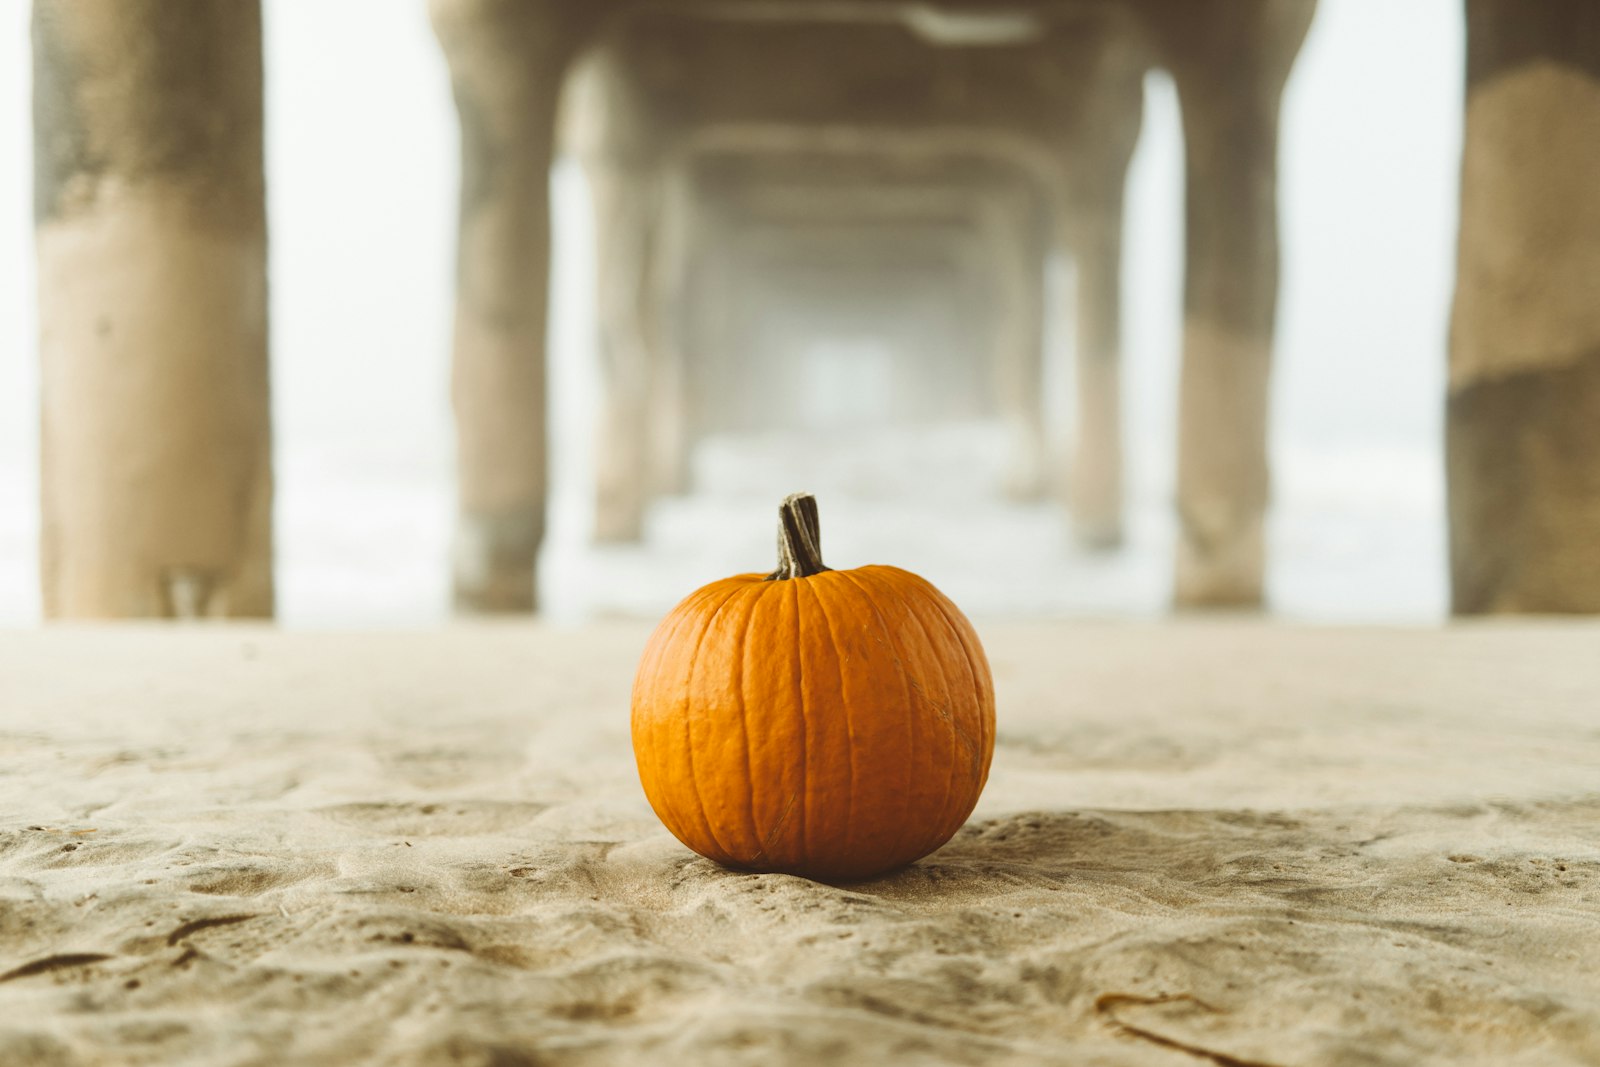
{"x":1203,"y":842}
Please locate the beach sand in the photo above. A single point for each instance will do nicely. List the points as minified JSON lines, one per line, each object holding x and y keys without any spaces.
{"x":1202,"y":842}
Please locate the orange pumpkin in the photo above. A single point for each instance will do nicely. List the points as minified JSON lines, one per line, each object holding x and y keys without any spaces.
{"x":831,"y":724}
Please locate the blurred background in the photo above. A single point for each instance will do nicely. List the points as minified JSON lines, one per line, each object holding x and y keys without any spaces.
{"x":362,"y":171}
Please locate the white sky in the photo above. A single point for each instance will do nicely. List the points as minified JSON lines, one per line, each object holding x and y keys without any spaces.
{"x":362,"y":172}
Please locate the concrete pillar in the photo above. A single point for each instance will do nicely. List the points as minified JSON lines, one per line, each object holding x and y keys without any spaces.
{"x":149,"y":207}
{"x":1019,"y":346}
{"x":1098,"y":146}
{"x":1095,"y":482}
{"x":506,"y":59}
{"x":619,"y":133}
{"x":1524,"y":408}
{"x":671,"y":442}
{"x":670,"y":446}
{"x":703,"y":322}
{"x":625,"y":206}
{"x":1230,"y":59}
{"x":723,"y":285}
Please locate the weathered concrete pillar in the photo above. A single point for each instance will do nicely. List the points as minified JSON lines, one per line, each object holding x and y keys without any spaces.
{"x":1524,"y":411}
{"x":625,"y":206}
{"x":149,"y":206}
{"x":1094,"y":485}
{"x":1019,"y":344}
{"x":719,"y":333}
{"x":1230,"y":59}
{"x":619,"y":136}
{"x":671,"y":445}
{"x":702,"y":323}
{"x":507,"y":59}
{"x":1099,"y":138}
{"x":671,"y":442}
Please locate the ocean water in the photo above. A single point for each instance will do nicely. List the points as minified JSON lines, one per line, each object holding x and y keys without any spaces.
{"x":1354,"y":538}
{"x":363,"y":541}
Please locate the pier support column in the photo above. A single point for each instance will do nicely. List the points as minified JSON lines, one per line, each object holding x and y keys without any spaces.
{"x":1095,"y":482}
{"x":507,"y":60}
{"x":671,"y":446}
{"x":149,"y":207}
{"x":1230,"y":60}
{"x":1524,"y":408}
{"x":1090,"y":215}
{"x":625,"y":204}
{"x":1019,"y":343}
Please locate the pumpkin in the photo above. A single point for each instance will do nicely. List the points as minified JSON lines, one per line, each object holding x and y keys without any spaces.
{"x":831,"y":724}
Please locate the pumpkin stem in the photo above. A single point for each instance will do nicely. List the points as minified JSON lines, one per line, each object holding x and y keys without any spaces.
{"x":799,"y":539}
